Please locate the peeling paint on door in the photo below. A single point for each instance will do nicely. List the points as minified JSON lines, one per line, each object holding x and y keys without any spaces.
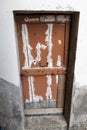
{"x":49,"y":91}
{"x":33,"y":96}
{"x":57,"y":79}
{"x":48,"y":18}
{"x":26,"y":47}
{"x":59,"y":42}
{"x":48,"y":39}
{"x":26,"y":19}
{"x":59,"y":61}
{"x":42,"y":48}
{"x":38,"y":48}
{"x":63,"y":18}
{"x":31,"y":87}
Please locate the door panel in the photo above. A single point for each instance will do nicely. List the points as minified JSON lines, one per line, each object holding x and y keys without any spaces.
{"x":43,"y":49}
{"x":41,"y":91}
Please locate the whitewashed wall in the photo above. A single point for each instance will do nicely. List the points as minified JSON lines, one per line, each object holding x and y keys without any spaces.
{"x":8,"y":45}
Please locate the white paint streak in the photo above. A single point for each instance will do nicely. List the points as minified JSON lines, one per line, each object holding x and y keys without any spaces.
{"x":27,"y":19}
{"x":30,"y":59}
{"x":48,"y":39}
{"x":38,"y":98}
{"x":26,"y":100}
{"x":30,"y":88}
{"x":57,"y":77}
{"x":27,"y":49}
{"x":33,"y":97}
{"x":49,"y":83}
{"x":25,"y":44}
{"x":59,"y":61}
{"x":48,"y":18}
{"x":38,"y":48}
{"x":59,"y":42}
{"x":63,"y":18}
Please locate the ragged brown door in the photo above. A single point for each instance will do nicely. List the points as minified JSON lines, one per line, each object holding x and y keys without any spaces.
{"x":43,"y":49}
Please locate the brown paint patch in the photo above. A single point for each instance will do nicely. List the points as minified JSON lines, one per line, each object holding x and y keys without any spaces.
{"x":25,"y":88}
{"x":58,"y":34}
{"x":61,"y":91}
{"x":37,"y":35}
{"x":40,"y":84}
{"x":54,"y":87}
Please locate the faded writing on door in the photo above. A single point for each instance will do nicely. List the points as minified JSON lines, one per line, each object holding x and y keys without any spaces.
{"x":43,"y":49}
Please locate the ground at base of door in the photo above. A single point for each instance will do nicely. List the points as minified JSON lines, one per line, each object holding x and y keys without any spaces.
{"x":51,"y":122}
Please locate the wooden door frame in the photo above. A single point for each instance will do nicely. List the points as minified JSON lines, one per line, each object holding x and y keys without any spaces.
{"x":71,"y":54}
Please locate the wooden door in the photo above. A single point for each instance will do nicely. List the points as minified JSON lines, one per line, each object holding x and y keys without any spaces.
{"x":43,"y":50}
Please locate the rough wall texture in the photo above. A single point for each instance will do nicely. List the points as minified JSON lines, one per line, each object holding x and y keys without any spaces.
{"x":11,"y":117}
{"x":51,"y":122}
{"x":79,"y":109}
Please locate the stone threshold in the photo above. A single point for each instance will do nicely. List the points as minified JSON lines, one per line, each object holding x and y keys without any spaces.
{"x":51,"y":122}
{"x":44,"y":111}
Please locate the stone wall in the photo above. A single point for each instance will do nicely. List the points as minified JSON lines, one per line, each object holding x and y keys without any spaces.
{"x":11,"y":115}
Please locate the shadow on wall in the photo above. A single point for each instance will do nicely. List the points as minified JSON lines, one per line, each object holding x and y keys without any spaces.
{"x":11,"y":115}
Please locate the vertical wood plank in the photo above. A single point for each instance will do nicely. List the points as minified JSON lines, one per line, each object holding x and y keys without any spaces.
{"x":25,"y":88}
{"x":61,"y":91}
{"x":67,"y":33}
